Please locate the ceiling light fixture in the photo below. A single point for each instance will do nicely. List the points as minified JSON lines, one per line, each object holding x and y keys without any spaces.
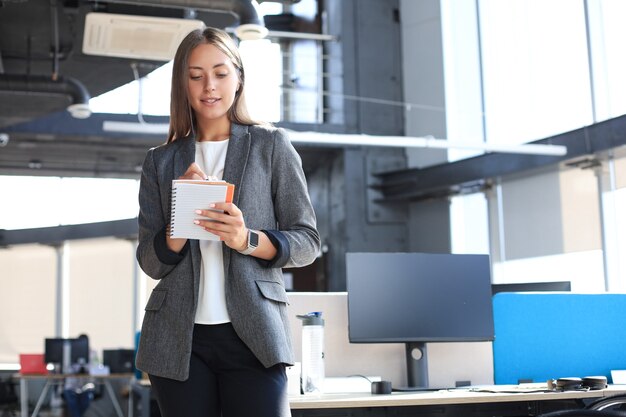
{"x":335,"y":139}
{"x":251,"y":25}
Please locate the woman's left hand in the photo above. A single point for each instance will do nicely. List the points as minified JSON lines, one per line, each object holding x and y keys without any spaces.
{"x":228,"y":225}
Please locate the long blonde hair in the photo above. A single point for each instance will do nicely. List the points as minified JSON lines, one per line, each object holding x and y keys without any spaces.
{"x":182,"y":118}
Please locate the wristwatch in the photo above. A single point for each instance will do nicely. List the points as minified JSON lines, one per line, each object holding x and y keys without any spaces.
{"x":253,"y":242}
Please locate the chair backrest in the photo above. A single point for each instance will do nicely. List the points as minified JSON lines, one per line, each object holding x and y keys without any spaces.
{"x":542,"y":336}
{"x":7,"y":392}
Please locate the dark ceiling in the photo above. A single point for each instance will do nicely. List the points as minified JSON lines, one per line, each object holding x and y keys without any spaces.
{"x":43,"y":70}
{"x":29,"y":47}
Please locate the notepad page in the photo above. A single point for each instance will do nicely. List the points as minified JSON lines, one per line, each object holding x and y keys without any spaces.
{"x":186,"y":199}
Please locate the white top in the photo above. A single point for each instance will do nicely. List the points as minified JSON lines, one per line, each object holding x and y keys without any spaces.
{"x":210,"y":157}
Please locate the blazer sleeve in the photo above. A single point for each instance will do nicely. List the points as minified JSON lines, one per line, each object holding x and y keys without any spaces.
{"x":292,"y":204}
{"x":154,"y":258}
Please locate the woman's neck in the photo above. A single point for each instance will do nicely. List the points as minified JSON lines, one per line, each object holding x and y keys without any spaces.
{"x":213,"y":131}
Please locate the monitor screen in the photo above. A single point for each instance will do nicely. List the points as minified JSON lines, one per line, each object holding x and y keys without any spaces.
{"x":53,"y":352}
{"x":78,"y":350}
{"x":418,"y":297}
{"x":415,"y":298}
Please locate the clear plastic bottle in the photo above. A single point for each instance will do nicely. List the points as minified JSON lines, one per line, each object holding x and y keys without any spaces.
{"x":312,"y":376}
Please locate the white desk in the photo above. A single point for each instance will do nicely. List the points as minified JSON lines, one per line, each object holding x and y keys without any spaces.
{"x":56,"y":379}
{"x":445,"y":402}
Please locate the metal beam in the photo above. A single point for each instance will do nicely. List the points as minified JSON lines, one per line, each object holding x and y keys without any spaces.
{"x":447,"y":179}
{"x":126,"y":228}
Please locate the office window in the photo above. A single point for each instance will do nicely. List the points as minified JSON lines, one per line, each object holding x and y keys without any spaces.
{"x":535,"y":78}
{"x":606,"y":34}
{"x":101,"y":291}
{"x":53,"y":201}
{"x":532,"y":82}
{"x":27,"y":299}
{"x":469,"y":223}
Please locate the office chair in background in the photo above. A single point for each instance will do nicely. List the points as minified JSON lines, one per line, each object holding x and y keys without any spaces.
{"x":9,"y":405}
{"x":614,"y":406}
{"x":613,"y":403}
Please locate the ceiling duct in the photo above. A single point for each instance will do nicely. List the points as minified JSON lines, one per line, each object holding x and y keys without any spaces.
{"x":251,"y":24}
{"x":41,"y":84}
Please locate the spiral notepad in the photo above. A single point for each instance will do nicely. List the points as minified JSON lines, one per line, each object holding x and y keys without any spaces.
{"x":191,"y":195}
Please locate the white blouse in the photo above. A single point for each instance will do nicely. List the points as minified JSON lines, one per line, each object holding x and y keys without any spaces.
{"x":210,"y":157}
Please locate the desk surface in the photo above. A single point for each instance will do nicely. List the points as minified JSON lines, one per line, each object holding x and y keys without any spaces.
{"x":63,"y":376}
{"x":442,"y":397}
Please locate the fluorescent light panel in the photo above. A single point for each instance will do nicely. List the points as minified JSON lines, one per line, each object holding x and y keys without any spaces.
{"x":364,"y":140}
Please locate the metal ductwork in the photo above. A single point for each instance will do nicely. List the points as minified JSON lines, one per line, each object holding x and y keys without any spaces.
{"x":251,"y":24}
{"x":41,"y":84}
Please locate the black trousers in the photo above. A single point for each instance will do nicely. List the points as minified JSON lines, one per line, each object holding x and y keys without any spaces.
{"x":225,"y":379}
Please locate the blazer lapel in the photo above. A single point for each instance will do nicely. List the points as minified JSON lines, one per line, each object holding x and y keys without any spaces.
{"x":234,"y":168}
{"x":184,"y":156}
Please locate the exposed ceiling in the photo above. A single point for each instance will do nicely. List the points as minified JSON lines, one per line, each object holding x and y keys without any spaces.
{"x":42,"y":39}
{"x":43,"y":70}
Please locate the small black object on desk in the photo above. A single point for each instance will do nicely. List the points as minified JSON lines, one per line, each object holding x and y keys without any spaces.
{"x":381,"y":387}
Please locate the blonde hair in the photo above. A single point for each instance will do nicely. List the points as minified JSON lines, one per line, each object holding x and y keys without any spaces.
{"x":182,"y":118}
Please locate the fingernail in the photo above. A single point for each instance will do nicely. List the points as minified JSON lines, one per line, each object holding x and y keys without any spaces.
{"x":198,"y":211}
{"x":196,"y":221}
{"x":212,"y":205}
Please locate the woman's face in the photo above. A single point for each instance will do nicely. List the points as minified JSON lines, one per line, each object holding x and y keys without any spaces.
{"x":212,"y":83}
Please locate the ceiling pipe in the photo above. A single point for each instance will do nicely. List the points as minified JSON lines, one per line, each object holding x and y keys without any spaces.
{"x":44,"y":84}
{"x":251,"y":24}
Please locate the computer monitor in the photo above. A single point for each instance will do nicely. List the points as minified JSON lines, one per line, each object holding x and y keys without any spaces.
{"x":53,"y":352}
{"x":80,"y":350}
{"x":66,"y":352}
{"x":415,"y":298}
{"x":532,"y":287}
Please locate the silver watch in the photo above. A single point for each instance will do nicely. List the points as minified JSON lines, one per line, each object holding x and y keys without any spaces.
{"x":253,"y":242}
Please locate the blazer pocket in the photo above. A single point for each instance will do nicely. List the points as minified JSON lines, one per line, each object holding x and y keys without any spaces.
{"x":273,"y":291}
{"x":156,"y":300}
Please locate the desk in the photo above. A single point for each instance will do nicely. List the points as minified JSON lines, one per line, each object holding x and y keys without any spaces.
{"x":57,"y":379}
{"x":444,"y":403}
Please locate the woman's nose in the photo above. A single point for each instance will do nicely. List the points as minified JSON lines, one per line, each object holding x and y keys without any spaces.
{"x":210,"y":85}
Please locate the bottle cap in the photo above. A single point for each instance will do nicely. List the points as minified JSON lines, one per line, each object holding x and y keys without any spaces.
{"x":311,"y":319}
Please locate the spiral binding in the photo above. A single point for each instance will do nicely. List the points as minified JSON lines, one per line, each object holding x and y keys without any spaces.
{"x":172,"y":212}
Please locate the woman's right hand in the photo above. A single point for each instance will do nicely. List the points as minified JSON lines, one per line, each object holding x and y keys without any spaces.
{"x":193,"y":173}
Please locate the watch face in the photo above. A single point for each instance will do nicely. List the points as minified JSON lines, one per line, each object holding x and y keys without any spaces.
{"x":254,"y":239}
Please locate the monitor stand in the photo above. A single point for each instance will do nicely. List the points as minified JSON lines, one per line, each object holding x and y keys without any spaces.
{"x":416,"y":367}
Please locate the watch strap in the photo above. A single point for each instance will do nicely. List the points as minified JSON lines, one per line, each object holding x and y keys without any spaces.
{"x":253,"y":242}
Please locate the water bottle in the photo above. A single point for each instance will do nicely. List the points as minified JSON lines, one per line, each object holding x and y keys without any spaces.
{"x":312,"y":375}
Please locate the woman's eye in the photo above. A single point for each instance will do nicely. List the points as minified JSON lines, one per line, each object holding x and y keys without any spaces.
{"x":222,"y":75}
{"x":195,"y":77}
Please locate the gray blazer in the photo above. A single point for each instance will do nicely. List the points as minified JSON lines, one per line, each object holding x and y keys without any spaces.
{"x":271,"y":191}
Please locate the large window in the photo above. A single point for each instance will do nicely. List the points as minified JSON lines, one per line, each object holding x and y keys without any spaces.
{"x":511,"y":77}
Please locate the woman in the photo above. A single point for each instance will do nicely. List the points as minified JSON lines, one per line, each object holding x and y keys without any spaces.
{"x":215,"y":338}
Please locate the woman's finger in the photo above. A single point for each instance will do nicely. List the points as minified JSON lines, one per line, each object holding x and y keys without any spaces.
{"x":193,"y":173}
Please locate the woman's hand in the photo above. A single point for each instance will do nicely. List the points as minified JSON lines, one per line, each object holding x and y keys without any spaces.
{"x":193,"y":173}
{"x":226,"y":221}
{"x":230,"y":226}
